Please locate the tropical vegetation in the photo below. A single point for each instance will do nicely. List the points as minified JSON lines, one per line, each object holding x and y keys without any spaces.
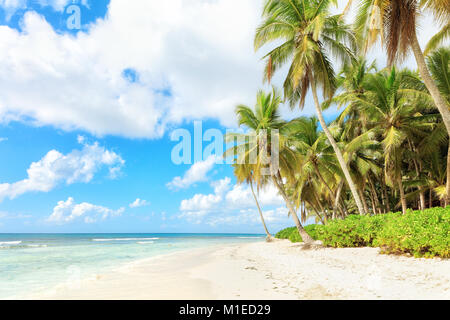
{"x":419,"y":233}
{"x":388,"y":148}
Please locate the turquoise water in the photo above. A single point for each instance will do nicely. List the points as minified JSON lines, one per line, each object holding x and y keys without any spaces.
{"x":35,"y":262}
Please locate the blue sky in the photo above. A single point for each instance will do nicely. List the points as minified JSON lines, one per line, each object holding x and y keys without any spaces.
{"x":86,"y":115}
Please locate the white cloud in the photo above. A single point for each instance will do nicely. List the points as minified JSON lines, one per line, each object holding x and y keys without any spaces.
{"x":56,"y":168}
{"x":248,"y":217}
{"x":3,"y":139}
{"x":233,"y":205}
{"x":201,"y":51}
{"x":139,"y":203}
{"x":199,"y":204}
{"x":11,"y":6}
{"x":231,"y":197}
{"x":69,"y":211}
{"x":196,"y":173}
{"x":58,"y":5}
{"x":241,"y":196}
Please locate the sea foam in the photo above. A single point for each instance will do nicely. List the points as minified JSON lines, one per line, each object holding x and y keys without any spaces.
{"x":124,"y":239}
{"x":11,"y":243}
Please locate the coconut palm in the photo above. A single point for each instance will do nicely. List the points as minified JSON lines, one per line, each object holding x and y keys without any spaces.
{"x":309,"y":36}
{"x":395,"y":22}
{"x":438,"y":63}
{"x":437,"y":39}
{"x":244,"y":174}
{"x":396,"y":118}
{"x":264,"y":123}
{"x":318,"y":161}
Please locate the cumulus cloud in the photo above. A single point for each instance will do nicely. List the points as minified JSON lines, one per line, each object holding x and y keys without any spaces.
{"x":200,"y":203}
{"x":139,"y":203}
{"x":196,"y":173}
{"x":3,"y":139}
{"x":69,"y":211}
{"x":190,"y":62}
{"x":11,"y":6}
{"x":232,"y":204}
{"x":248,"y":216}
{"x":241,"y":196}
{"x":56,"y":168}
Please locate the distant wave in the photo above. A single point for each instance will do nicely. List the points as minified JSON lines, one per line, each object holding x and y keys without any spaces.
{"x":16,"y":245}
{"x":145,"y":242}
{"x":13,"y":243}
{"x":124,"y":239}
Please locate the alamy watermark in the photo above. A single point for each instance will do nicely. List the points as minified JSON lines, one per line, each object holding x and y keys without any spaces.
{"x":73,"y":21}
{"x":260,"y":147}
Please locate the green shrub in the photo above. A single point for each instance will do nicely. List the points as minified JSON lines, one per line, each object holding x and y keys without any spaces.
{"x":354,"y":231}
{"x":292,"y":234}
{"x":285,"y":233}
{"x":422,"y":234}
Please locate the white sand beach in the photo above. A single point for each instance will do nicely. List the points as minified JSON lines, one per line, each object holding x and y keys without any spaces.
{"x":276,"y":270}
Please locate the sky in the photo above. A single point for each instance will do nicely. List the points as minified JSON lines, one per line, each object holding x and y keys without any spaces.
{"x":92,"y":96}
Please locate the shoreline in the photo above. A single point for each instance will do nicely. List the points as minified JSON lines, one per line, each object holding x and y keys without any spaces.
{"x":263,"y":271}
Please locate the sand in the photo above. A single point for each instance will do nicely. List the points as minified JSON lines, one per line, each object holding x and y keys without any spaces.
{"x":260,"y":270}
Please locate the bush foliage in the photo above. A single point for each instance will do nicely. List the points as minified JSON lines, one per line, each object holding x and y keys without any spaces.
{"x":422,"y":234}
{"x":293,"y":235}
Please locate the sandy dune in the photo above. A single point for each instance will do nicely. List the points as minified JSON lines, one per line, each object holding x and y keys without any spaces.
{"x":277,"y":270}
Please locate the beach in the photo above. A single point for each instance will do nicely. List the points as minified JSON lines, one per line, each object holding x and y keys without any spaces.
{"x":261,"y":270}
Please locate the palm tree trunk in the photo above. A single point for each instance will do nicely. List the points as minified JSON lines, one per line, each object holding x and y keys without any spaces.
{"x":439,"y":100}
{"x":361,"y":194}
{"x":421,"y":192}
{"x":416,"y":167}
{"x":321,"y":207}
{"x":260,"y":212}
{"x":336,"y":149}
{"x":430,"y":199}
{"x":386,"y":196}
{"x":305,"y":236}
{"x":338,"y":194}
{"x":402,"y":193}
{"x":318,"y":215}
{"x":337,"y":206}
{"x":374,"y":195}
{"x":447,"y":198}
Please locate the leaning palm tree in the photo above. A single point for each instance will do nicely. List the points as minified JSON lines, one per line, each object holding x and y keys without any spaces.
{"x":243,"y":172}
{"x":395,"y":22}
{"x":264,"y":123}
{"x":317,"y":158}
{"x":308,"y":33}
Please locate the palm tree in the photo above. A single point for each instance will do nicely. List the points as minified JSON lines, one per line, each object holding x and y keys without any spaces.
{"x":318,"y":161}
{"x":437,"y":39}
{"x":438,"y":63}
{"x":396,"y":118}
{"x":244,"y":174}
{"x":397,"y":27}
{"x":308,"y":34}
{"x":264,"y":123}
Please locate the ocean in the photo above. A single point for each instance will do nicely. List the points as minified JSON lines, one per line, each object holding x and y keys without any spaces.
{"x":32,"y":263}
